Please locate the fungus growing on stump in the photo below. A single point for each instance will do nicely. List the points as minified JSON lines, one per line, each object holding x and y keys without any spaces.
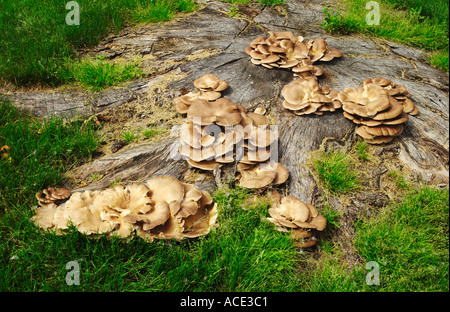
{"x":283,"y":49}
{"x":292,"y":215}
{"x":162,"y":207}
{"x":221,"y":132}
{"x":51,"y":195}
{"x":380,"y":107}
{"x":306,"y":96}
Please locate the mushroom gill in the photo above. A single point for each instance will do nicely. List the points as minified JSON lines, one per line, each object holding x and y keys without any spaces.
{"x":162,"y":207}
{"x":292,"y":215}
{"x":283,"y":49}
{"x":379,"y":107}
{"x":306,"y":96}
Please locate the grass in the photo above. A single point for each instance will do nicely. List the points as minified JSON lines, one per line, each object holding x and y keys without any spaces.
{"x":420,"y":23}
{"x":361,"y":149}
{"x":129,"y":136}
{"x":234,"y":10}
{"x":39,"y":153}
{"x":407,"y":239}
{"x":410,"y":242}
{"x":97,"y":74}
{"x":335,"y":171}
{"x":36,"y":43}
{"x":245,"y":253}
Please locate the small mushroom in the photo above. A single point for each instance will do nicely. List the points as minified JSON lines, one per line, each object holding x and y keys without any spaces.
{"x":52,"y":195}
{"x":292,"y":215}
{"x":397,"y":92}
{"x":306,"y":96}
{"x":210,"y":82}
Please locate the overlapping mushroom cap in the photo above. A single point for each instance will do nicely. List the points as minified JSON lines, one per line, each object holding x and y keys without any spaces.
{"x":220,"y":132}
{"x":306,"y":96}
{"x":51,"y":195}
{"x":163,"y":207}
{"x":291,"y":214}
{"x":283,"y":49}
{"x":209,"y":89}
{"x":380,"y":107}
{"x":397,"y":92}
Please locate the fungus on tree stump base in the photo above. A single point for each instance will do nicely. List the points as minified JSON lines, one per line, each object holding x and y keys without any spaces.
{"x":52,"y":195}
{"x":292,"y":215}
{"x":220,"y":132}
{"x":162,"y":207}
{"x":282,"y":49}
{"x":380,"y":107}
{"x":306,"y":96}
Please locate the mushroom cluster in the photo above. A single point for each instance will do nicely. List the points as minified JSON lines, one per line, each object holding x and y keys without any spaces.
{"x":162,"y":207}
{"x":380,"y":107}
{"x":306,"y":96}
{"x":283,"y":49}
{"x":209,"y":87}
{"x":220,"y":132}
{"x":292,"y":215}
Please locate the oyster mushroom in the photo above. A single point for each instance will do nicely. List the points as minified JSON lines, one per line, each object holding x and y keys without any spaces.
{"x":306,"y":96}
{"x":44,"y":217}
{"x":222,"y":112}
{"x":380,"y":115}
{"x":210,"y":82}
{"x":396,"y":91}
{"x":81,"y":211}
{"x":51,"y":195}
{"x":292,"y":215}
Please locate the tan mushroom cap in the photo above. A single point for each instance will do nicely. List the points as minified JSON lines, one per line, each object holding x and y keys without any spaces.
{"x":194,"y":135}
{"x":165,"y":189}
{"x":294,"y":209}
{"x":395,"y":110}
{"x":44,"y":216}
{"x":183,"y":102}
{"x":262,"y":137}
{"x":317,"y":48}
{"x":201,"y":154}
{"x":158,"y":216}
{"x":51,"y":195}
{"x":223,"y":112}
{"x":306,"y":243}
{"x":85,"y":214}
{"x":201,"y":223}
{"x":260,"y":110}
{"x":208,"y":165}
{"x":281,"y":174}
{"x":380,"y":140}
{"x":366,"y":101}
{"x":383,"y":130}
{"x":210,"y":82}
{"x":256,"y":177}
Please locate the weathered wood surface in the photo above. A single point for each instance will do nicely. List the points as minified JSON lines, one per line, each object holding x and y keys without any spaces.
{"x":423,"y":146}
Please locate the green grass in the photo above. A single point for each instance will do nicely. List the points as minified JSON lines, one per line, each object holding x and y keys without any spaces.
{"x":245,"y":253}
{"x":420,"y":23}
{"x":40,"y":153}
{"x":409,"y":241}
{"x":361,"y":149}
{"x":36,"y":42}
{"x":152,"y":131}
{"x":129,"y":136}
{"x":97,"y":74}
{"x":335,"y":172}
